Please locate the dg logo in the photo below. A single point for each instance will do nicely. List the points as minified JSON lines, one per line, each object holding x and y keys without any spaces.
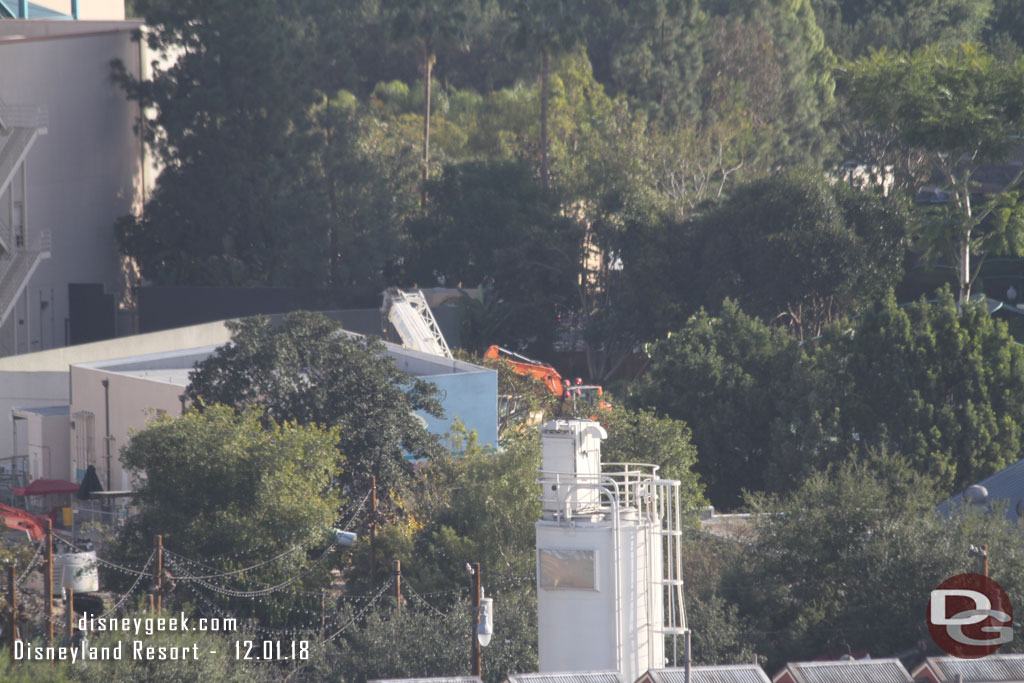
{"x":970,"y":616}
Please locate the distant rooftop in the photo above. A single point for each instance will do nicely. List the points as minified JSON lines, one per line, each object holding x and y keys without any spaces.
{"x":990,"y":669}
{"x":1005,"y":487}
{"x":725,"y":673}
{"x":567,"y":677}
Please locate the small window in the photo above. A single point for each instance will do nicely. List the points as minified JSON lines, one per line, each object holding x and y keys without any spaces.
{"x":567,"y":569}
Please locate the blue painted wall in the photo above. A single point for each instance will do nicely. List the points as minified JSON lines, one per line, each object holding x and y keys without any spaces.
{"x":472,"y":397}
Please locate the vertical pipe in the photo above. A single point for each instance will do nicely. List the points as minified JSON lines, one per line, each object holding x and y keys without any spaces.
{"x":689,"y":658}
{"x":70,"y":612}
{"x":159,"y":572}
{"x":396,"y":575}
{"x":106,"y":410}
{"x":23,"y":9}
{"x":48,"y":590}
{"x":984,"y":549}
{"x":12,"y":602}
{"x":74,"y":9}
{"x":373,"y":525}
{"x":477,"y":664}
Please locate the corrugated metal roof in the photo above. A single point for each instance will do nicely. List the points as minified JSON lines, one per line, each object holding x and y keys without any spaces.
{"x":725,"y":673}
{"x":991,"y":669}
{"x":568,"y":677}
{"x":439,"y":679}
{"x":857,"y":671}
{"x":1005,"y":485}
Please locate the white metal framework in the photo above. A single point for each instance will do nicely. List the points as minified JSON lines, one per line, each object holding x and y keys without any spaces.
{"x":634,"y":493}
{"x":414,"y":322}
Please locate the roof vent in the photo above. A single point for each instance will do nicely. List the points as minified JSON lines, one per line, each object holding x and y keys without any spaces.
{"x":976,"y":494}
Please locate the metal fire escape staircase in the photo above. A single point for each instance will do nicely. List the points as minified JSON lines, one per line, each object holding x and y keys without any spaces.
{"x":415,"y":324}
{"x":19,"y":257}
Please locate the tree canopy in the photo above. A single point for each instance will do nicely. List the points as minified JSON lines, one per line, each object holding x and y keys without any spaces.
{"x":307,"y":370}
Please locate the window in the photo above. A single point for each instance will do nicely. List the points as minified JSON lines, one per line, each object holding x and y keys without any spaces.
{"x":567,"y":569}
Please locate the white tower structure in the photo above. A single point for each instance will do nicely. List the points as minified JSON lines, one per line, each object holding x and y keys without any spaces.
{"x":609,"y":588}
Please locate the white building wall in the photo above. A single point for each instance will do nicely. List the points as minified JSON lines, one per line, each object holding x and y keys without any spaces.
{"x":85,"y":172}
{"x":87,"y":9}
{"x":133,"y":403}
{"x":27,"y":390}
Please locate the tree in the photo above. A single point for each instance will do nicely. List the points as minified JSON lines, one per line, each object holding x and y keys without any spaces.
{"x":852,"y":29}
{"x":960,"y":108}
{"x":848,"y":562}
{"x":217,"y":483}
{"x":546,"y":28}
{"x":369,"y":190}
{"x":422,"y":640}
{"x":719,"y":375}
{"x":941,"y":388}
{"x":227,"y":209}
{"x":651,"y":51}
{"x":491,"y":223}
{"x":428,"y":22}
{"x":309,"y":371}
{"x":794,"y":248}
{"x":643,"y":437}
{"x":770,"y":57}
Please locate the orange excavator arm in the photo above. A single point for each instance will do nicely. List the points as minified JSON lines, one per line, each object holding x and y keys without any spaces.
{"x":529,"y":367}
{"x":23,"y":521}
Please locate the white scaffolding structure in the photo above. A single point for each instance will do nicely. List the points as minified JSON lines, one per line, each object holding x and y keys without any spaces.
{"x":414,"y":322}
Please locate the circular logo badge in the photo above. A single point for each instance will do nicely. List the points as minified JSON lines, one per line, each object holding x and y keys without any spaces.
{"x":970,"y":616}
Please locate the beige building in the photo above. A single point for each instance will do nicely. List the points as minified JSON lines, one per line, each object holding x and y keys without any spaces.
{"x":70,"y":165}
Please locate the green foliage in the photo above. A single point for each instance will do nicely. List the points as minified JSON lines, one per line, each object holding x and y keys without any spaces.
{"x":958,"y":108}
{"x":365,"y":181}
{"x":219,"y":483}
{"x":479,"y":507}
{"x":424,"y":641}
{"x":643,"y":437}
{"x":855,"y":27}
{"x":492,"y":223}
{"x":309,"y":371}
{"x":940,"y":388}
{"x":719,"y":376}
{"x":797,"y":249}
{"x":849,"y":561}
{"x":652,"y":53}
{"x":223,"y":109}
{"x":772,"y":56}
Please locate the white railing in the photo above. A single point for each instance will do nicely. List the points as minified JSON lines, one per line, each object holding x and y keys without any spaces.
{"x":23,"y":116}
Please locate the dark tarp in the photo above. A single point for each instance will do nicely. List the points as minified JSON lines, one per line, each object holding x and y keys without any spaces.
{"x":90,"y":483}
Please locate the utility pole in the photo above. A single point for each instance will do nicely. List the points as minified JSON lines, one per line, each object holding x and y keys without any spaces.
{"x":984,"y":559}
{"x":12,"y":603}
{"x":48,"y":590}
{"x":71,"y":612}
{"x":373,"y":525}
{"x":476,"y":619}
{"x":158,"y":573}
{"x":323,"y":612}
{"x":396,"y":575}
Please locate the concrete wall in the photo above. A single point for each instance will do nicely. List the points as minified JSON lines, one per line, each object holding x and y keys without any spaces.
{"x":134,"y":401}
{"x":27,"y":390}
{"x":85,"y":172}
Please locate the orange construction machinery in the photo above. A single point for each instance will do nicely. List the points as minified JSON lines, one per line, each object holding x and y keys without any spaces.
{"x":541,"y":372}
{"x":563,"y":389}
{"x":23,"y":521}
